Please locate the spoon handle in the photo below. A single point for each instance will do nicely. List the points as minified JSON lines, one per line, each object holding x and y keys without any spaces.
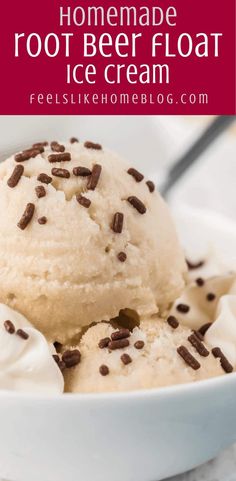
{"x":210,"y":134}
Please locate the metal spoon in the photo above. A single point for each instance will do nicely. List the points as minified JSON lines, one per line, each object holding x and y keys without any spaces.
{"x":212,"y":132}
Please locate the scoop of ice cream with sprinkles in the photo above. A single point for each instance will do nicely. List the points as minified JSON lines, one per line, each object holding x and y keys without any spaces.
{"x":83,"y":236}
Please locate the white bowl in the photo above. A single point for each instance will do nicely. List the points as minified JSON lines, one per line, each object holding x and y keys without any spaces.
{"x":136,"y":436}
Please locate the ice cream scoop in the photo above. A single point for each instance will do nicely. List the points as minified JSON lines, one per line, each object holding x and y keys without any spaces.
{"x":155,"y":354}
{"x":83,"y":235}
{"x":26,"y":362}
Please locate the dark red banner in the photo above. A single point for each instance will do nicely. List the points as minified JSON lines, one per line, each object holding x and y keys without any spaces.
{"x":142,"y":57}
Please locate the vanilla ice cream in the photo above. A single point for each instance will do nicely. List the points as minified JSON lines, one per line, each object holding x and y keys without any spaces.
{"x":90,"y":256}
{"x":196,"y":340}
{"x":150,"y":359}
{"x":83,"y":235}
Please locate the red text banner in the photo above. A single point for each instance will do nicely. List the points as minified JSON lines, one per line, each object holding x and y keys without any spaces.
{"x":143,"y":57}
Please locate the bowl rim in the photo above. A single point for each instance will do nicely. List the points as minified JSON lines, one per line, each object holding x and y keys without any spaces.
{"x":174,"y":390}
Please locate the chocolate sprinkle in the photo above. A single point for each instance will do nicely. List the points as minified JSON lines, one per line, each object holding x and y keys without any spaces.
{"x":59,"y":157}
{"x":94,"y":177}
{"x":22,"y":334}
{"x":121,"y":334}
{"x":74,"y":140}
{"x":92,"y":145}
{"x":188,"y":358}
{"x":200,"y":282}
{"x":56,"y":358}
{"x":203,"y":329}
{"x":40,"y":191}
{"x":225,"y":364}
{"x":117,"y":223}
{"x":27,"y":216}
{"x":104,"y":370}
{"x":61,"y":365}
{"x":216,"y":351}
{"x":39,"y":144}
{"x":28,"y":154}
{"x":44,"y":178}
{"x":34,"y":151}
{"x":126,"y":359}
{"x":15,"y":176}
{"x":22,"y":157}
{"x":71,"y":358}
{"x":59,"y":362}
{"x":137,"y":204}
{"x":81,"y":171}
{"x":63,"y":173}
{"x":173,"y":322}
{"x":42,"y":220}
{"x":122,"y":256}
{"x":119,"y":344}
{"x":199,"y":335}
{"x":139,"y":344}
{"x":39,"y":148}
{"x":135,"y":174}
{"x":150,"y":185}
{"x":198,"y":345}
{"x":83,"y":201}
{"x":210,"y":296}
{"x":9,"y":326}
{"x":104,"y":342}
{"x":56,"y":147}
{"x":183,"y":308}
{"x":194,"y":265}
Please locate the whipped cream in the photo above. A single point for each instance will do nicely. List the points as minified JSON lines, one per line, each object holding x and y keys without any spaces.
{"x":222,"y":333}
{"x":219,"y":310}
{"x":26,"y":364}
{"x":201,"y":310}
